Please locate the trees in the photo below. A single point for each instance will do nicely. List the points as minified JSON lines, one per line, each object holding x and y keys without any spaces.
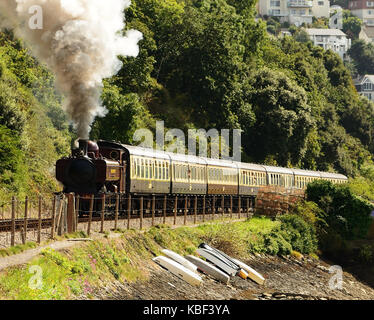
{"x":283,"y":118}
{"x":11,"y":157}
{"x":351,"y":24}
{"x":363,"y":56}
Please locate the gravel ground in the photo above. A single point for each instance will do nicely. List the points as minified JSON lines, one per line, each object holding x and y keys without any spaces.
{"x":286,"y":279}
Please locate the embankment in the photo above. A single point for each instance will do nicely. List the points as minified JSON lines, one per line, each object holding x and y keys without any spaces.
{"x":121,"y":267}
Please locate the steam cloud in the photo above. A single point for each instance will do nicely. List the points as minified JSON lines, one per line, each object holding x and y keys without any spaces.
{"x":80,"y":42}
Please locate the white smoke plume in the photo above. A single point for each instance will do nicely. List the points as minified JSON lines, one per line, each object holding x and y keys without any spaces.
{"x":80,"y":42}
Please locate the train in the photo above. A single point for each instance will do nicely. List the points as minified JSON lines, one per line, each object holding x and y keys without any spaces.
{"x":106,"y":167}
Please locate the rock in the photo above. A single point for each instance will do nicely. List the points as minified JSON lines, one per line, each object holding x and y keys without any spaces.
{"x":279,"y":296}
{"x":268,"y":295}
{"x":322,"y":268}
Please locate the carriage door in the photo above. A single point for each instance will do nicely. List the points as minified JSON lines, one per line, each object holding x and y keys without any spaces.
{"x":189,"y":176}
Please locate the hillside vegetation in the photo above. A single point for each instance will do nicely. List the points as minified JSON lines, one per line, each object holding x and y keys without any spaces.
{"x":202,"y":64}
{"x":33,"y":129}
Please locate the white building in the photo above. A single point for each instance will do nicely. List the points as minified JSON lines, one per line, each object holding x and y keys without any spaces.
{"x":333,"y":39}
{"x":365,"y":86}
{"x":295,"y":12}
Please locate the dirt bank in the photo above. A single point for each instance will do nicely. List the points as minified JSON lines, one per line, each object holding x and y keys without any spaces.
{"x":287,"y":279}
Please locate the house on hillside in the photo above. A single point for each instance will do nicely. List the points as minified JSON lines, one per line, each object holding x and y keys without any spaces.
{"x":365,"y":86}
{"x":295,"y":12}
{"x":333,"y":39}
{"x":367,"y":34}
{"x":364,"y":10}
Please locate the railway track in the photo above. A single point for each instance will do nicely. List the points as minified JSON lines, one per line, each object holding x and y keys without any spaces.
{"x":33,"y":224}
{"x":6,"y":225}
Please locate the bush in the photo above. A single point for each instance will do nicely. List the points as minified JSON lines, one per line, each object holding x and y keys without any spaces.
{"x":346,"y":214}
{"x":276,"y":244}
{"x":298,"y":233}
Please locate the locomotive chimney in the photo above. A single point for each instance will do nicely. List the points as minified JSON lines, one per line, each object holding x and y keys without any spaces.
{"x":83,"y":146}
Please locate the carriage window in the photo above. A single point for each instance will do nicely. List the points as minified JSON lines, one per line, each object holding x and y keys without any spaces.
{"x":156,"y":170}
{"x":138,"y":168}
{"x":133,"y":171}
{"x":151,"y":174}
{"x":146,"y":169}
{"x":185,"y":172}
{"x":142,"y":168}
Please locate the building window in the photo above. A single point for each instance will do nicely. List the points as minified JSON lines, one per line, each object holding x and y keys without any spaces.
{"x":367,"y":86}
{"x":274,"y":12}
{"x":302,"y":12}
{"x":320,"y":3}
{"x":275,"y":3}
{"x":370,"y":4}
{"x":368,"y":95}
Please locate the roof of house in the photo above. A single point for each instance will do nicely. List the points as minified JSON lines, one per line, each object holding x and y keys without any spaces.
{"x":324,"y":32}
{"x":369,"y":31}
{"x":370,"y":77}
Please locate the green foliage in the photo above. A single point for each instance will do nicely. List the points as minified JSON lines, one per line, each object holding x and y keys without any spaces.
{"x":276,"y":244}
{"x":363,"y":56}
{"x":33,"y":132}
{"x":301,"y":36}
{"x":300,"y":234}
{"x":11,"y":158}
{"x":366,"y":254}
{"x":74,"y":267}
{"x":282,"y":115}
{"x":346,"y":214}
{"x":17,"y":249}
{"x":351,"y":24}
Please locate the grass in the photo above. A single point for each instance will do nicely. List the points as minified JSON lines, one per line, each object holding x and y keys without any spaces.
{"x":17,"y":249}
{"x":80,"y":270}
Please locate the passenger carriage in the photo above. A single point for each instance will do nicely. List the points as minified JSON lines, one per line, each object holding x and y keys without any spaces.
{"x":303,"y":177}
{"x":222,"y":177}
{"x":251,"y":178}
{"x":333,"y":177}
{"x":188,"y":174}
{"x":281,"y":177}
